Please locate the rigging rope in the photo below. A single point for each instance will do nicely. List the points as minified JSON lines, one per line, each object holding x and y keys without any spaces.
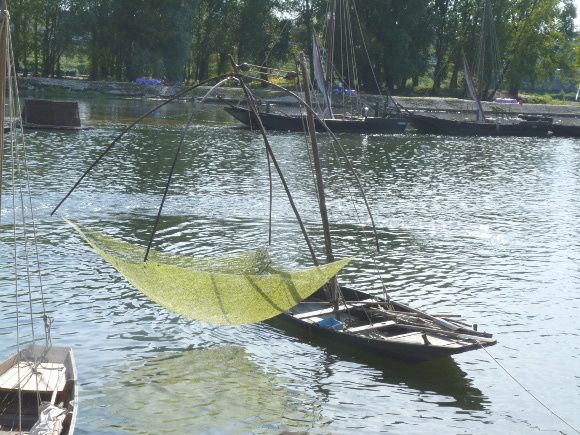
{"x":16,"y":122}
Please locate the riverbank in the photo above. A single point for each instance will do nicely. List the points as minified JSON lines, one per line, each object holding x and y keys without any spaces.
{"x":423,"y":104}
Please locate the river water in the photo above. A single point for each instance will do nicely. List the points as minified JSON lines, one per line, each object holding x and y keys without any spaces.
{"x":485,"y":227}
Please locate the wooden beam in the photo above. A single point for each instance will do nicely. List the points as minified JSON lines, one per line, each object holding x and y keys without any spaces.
{"x":369,"y":327}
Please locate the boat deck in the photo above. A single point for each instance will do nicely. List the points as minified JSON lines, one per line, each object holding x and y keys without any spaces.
{"x":375,"y":320}
{"x":43,"y":377}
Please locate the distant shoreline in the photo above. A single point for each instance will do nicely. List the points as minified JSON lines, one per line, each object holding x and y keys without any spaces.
{"x":33,"y":85}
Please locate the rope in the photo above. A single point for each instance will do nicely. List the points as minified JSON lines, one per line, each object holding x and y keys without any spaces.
{"x":16,"y":121}
{"x":522,"y":386}
{"x":366,"y":50}
{"x":16,"y":281}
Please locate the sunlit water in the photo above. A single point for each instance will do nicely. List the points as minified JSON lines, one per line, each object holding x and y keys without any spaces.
{"x":482,"y":227}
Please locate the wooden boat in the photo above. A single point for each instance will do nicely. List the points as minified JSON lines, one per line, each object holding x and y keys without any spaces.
{"x":385,"y":328}
{"x":566,"y":130}
{"x":428,"y":124}
{"x":338,"y":124}
{"x":389,"y":123}
{"x":38,"y":391}
{"x":377,"y":325}
{"x":38,"y":388}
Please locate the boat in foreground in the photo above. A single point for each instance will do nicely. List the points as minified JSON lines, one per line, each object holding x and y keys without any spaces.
{"x":385,"y":328}
{"x":38,"y":392}
{"x":338,"y":124}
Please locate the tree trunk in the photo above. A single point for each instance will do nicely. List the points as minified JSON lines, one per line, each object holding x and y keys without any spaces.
{"x":403,"y":83}
{"x":453,"y":83}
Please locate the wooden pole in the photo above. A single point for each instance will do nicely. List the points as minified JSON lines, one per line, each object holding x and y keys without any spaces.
{"x":4,"y":23}
{"x":319,"y":181}
{"x":256,"y":113}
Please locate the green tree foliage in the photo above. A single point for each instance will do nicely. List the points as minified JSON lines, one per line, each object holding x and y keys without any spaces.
{"x":191,"y":39}
{"x":533,"y":39}
{"x":540,"y":41}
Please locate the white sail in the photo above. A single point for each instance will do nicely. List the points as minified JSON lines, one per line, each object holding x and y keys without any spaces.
{"x":319,"y":78}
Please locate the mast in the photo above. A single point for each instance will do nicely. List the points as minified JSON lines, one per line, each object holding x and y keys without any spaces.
{"x":332,"y":285}
{"x":330,"y":44}
{"x":3,"y":67}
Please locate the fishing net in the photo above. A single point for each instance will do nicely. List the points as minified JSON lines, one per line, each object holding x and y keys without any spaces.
{"x":234,"y":289}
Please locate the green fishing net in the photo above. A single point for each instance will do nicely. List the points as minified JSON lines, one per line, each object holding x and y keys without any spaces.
{"x":234,"y":289}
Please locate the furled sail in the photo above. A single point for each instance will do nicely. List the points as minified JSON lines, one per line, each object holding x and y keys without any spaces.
{"x":319,"y":78}
{"x":471,"y":89}
{"x":234,"y":289}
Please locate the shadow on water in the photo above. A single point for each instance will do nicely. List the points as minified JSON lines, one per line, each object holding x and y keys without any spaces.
{"x":441,"y":377}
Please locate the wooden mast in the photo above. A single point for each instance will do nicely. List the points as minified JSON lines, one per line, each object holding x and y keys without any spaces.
{"x":333,"y":285}
{"x":330,"y":44}
{"x":4,"y":23}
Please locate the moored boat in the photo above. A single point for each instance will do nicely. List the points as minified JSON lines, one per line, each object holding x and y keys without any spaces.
{"x":428,"y":124}
{"x":355,"y":120}
{"x":38,"y":391}
{"x":352,"y":124}
{"x":566,"y":130}
{"x":211,"y":290}
{"x":385,"y":328}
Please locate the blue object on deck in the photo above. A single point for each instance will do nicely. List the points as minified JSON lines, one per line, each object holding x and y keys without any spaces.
{"x":331,"y":323}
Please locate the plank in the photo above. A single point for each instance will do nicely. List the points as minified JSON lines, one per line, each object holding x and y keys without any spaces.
{"x":44,"y":377}
{"x":369,"y":327}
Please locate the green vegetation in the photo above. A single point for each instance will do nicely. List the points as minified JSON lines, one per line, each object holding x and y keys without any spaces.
{"x":412,"y":45}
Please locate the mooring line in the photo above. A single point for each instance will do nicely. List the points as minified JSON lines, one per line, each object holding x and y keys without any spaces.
{"x":528,"y":391}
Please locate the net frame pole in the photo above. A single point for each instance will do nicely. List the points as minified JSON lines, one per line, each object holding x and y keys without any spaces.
{"x":333,"y":285}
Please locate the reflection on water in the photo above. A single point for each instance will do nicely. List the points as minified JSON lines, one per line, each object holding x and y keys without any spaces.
{"x":184,"y":392}
{"x":484,"y":227}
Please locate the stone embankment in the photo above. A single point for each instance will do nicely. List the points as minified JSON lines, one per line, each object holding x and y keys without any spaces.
{"x":430,"y":104}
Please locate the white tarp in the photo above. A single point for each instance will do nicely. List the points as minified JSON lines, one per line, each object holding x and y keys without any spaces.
{"x":319,"y":78}
{"x":49,"y":422}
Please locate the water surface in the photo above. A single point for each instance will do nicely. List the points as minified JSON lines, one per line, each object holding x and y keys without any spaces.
{"x":484,"y":227}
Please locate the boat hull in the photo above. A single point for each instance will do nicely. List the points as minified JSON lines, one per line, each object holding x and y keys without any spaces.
{"x":345,"y":342}
{"x":59,"y":390}
{"x":526,"y":128}
{"x":566,"y":130}
{"x":274,"y":121}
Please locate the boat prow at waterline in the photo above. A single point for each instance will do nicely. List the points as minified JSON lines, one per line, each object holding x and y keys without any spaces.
{"x":38,"y":392}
